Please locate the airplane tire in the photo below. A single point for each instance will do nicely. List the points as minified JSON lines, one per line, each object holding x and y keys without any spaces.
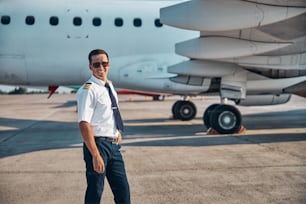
{"x":158,"y":98}
{"x":184,"y":110}
{"x":174,"y":110}
{"x":207,"y":113}
{"x":226,"y":119}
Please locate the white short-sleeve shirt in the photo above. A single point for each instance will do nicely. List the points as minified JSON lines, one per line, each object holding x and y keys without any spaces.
{"x":95,"y":107}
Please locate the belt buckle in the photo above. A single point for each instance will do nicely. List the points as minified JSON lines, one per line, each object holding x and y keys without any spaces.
{"x":113,"y":140}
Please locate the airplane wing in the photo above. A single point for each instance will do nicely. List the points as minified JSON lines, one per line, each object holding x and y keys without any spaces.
{"x":253,"y":52}
{"x":248,"y":45}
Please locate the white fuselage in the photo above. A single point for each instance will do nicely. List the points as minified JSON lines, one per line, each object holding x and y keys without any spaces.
{"x":44,"y":54}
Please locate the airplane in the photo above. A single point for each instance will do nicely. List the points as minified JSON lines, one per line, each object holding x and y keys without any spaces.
{"x":250,"y":52}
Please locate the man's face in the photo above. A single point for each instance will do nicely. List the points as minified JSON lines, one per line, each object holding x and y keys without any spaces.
{"x":99,"y":66}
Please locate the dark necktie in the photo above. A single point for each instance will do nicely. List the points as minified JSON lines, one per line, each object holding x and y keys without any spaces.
{"x":115,"y":108}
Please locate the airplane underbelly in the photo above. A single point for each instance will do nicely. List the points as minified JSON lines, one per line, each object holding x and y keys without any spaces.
{"x":152,"y":77}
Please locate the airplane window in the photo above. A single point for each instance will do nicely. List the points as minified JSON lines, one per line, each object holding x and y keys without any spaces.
{"x":30,"y":20}
{"x":77,"y":21}
{"x":158,"y":23}
{"x":119,"y":22}
{"x":96,"y":21}
{"x":5,"y":20}
{"x":137,"y":22}
{"x":53,"y":20}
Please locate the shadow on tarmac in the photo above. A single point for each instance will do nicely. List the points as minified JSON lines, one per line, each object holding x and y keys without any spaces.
{"x":71,"y":103}
{"x":222,"y":140}
{"x":26,"y":136}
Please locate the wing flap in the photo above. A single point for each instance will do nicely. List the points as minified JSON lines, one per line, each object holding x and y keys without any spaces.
{"x":224,"y":47}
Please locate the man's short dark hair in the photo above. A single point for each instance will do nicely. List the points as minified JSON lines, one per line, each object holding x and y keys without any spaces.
{"x":96,"y":52}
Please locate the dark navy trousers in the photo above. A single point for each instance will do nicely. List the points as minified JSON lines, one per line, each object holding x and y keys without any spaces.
{"x":114,"y":172}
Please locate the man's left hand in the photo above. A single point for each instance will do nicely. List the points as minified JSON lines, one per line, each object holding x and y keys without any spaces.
{"x":119,"y":138}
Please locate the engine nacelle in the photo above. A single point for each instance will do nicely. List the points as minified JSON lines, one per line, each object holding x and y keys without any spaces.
{"x":262,"y":100}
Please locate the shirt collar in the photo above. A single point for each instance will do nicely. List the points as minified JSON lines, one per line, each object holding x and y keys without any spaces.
{"x":97,"y":81}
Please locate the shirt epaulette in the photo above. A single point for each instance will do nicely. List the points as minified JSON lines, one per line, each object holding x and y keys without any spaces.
{"x":87,"y":85}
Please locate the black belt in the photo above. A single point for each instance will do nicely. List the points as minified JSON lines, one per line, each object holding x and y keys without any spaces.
{"x":109,"y":139}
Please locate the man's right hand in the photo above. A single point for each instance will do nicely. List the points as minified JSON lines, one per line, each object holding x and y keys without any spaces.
{"x":88,"y":137}
{"x":98,"y":164}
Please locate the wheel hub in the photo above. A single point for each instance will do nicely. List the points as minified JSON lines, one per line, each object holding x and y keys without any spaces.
{"x":227,"y":120}
{"x":186,"y":111}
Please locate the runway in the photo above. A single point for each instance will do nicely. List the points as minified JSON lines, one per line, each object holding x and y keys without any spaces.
{"x":167,"y":161}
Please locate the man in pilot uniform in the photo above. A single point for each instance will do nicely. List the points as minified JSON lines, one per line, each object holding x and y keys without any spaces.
{"x":100,"y":126}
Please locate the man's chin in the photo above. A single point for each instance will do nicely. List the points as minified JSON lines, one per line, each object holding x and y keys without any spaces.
{"x":101,"y":77}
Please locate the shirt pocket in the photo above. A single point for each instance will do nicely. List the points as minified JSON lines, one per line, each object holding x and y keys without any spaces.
{"x":103,"y":101}
{"x":103,"y":111}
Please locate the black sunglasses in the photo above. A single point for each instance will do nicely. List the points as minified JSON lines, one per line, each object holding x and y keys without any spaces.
{"x":98,"y":64}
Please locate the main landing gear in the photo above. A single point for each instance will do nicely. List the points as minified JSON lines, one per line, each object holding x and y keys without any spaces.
{"x":184,"y":110}
{"x":225,"y":119}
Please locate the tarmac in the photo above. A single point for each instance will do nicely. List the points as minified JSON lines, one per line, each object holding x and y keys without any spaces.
{"x":167,"y":161}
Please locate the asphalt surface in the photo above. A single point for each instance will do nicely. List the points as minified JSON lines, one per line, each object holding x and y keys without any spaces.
{"x":167,"y":161}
